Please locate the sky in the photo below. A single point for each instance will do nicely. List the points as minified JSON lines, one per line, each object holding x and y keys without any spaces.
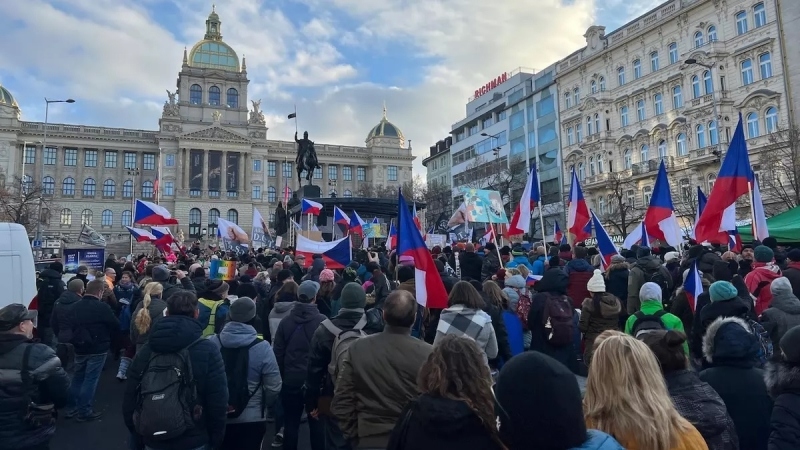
{"x":338,"y":61}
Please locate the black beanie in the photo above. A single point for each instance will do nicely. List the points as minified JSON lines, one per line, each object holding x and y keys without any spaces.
{"x":540,"y":404}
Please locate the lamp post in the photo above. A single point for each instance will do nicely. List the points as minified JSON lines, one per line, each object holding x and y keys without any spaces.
{"x":714,"y":111}
{"x":133,"y":173}
{"x":44,"y":146}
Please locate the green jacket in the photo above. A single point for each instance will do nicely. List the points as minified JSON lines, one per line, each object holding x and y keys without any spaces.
{"x":671,"y":321}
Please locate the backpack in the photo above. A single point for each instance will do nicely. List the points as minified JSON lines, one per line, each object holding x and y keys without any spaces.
{"x":648,"y":322}
{"x":522,"y":310}
{"x":125,"y":316}
{"x":47,"y":294}
{"x":765,"y":342}
{"x":237,"y":365}
{"x":342,"y":341}
{"x":557,"y":320}
{"x":166,"y":396}
{"x":661,"y":278}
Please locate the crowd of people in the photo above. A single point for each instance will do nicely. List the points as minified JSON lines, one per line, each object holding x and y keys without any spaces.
{"x":539,"y":348}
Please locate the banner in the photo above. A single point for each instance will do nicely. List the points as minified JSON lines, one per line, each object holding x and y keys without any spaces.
{"x":375,"y":230}
{"x":233,"y":172}
{"x":214,"y":170}
{"x":93,"y":258}
{"x":222,"y":270}
{"x":235,"y":247}
{"x":90,"y":236}
{"x":231,"y":231}
{"x":484,"y":206}
{"x":460,"y":233}
{"x":195,"y":170}
{"x":261,"y":234}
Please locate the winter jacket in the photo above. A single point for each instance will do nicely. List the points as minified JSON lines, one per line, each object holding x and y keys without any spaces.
{"x":597,"y":440}
{"x":640,"y":273}
{"x":758,"y":282}
{"x":125,"y":294}
{"x":63,"y":319}
{"x":792,"y":272}
{"x":461,"y":321}
{"x":652,"y":306}
{"x":514,"y":287}
{"x":553,"y":284}
{"x":96,"y":322}
{"x":199,"y":284}
{"x":691,"y":439}
{"x":617,"y":284}
{"x":708,"y":314}
{"x":578,"y":265}
{"x":293,"y":342}
{"x":279,"y":311}
{"x":50,"y":385}
{"x":513,"y":326}
{"x":491,"y":264}
{"x":781,"y":316}
{"x":698,"y":403}
{"x":297,"y":273}
{"x":520,"y":260}
{"x":169,"y":288}
{"x":471,"y":265}
{"x":440,"y":423}
{"x":681,"y":308}
{"x":732,"y":350}
{"x":538,"y":265}
{"x":382,"y":289}
{"x":500,"y":332}
{"x":262,"y":369}
{"x":593,"y":322}
{"x":156,"y":310}
{"x":49,"y":287}
{"x":171,"y":335}
{"x":783,"y":384}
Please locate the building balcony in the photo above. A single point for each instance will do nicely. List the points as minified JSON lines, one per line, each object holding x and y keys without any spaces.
{"x":596,"y":180}
{"x":650,"y":167}
{"x":705,"y":155}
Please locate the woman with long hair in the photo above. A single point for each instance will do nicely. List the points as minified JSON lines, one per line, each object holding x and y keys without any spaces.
{"x":456,"y":408}
{"x":598,"y":313}
{"x":627,"y":398}
{"x":150,"y":309}
{"x":464,"y":317}
{"x":511,"y":324}
{"x":327,"y":284}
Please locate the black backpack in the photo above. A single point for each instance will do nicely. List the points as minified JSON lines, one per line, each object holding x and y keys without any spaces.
{"x":662,"y":278}
{"x":557,"y":321}
{"x":166,"y":396}
{"x":237,"y":366}
{"x":648,"y":322}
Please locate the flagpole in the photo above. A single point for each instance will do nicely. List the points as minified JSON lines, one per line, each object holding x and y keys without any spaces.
{"x":541,"y":213}
{"x":494,"y":235}
{"x":752,"y":211}
{"x":295,"y":117}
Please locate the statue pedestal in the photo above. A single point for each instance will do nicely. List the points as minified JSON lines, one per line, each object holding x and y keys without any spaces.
{"x":310,"y":191}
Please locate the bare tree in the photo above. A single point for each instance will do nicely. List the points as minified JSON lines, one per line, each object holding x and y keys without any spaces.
{"x":622,"y":211}
{"x":26,"y":205}
{"x":438,"y":200}
{"x":365,"y":190}
{"x":501,"y":175}
{"x":779,"y":165}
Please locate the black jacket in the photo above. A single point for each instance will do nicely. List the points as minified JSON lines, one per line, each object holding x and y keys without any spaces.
{"x":63,"y":319}
{"x":49,"y":288}
{"x":169,"y":335}
{"x":783,"y":383}
{"x":709,"y":312}
{"x":470,"y":264}
{"x":553,"y":283}
{"x":199,"y":284}
{"x":94,"y":319}
{"x":491,"y":264}
{"x":50,"y":386}
{"x":503,"y":347}
{"x":170,"y":288}
{"x":297,"y":273}
{"x":292,"y":342}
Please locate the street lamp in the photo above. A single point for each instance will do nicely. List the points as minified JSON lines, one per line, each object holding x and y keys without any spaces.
{"x":133,"y":173}
{"x":44,"y":146}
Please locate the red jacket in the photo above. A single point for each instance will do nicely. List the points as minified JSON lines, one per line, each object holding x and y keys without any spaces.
{"x":576,"y":289}
{"x":758,"y":282}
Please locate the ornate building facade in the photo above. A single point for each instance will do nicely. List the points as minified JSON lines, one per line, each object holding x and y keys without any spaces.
{"x":210,"y":154}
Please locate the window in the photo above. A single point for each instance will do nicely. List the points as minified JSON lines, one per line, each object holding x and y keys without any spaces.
{"x":601,"y":163}
{"x":630,"y":197}
{"x":68,"y":187}
{"x":70,"y":156}
{"x":233,"y":216}
{"x":713,"y":136}
{"x":589,"y":131}
{"x":567,"y":101}
{"x":110,"y":159}
{"x":272,"y":168}
{"x":752,"y":125}
{"x":90,"y":158}
{"x":130,"y":161}
{"x":698,"y":39}
{"x":640,"y":110}
{"x":232,"y":99}
{"x":680,"y":145}
{"x":347,"y":173}
{"x":50,"y":156}
{"x":169,"y":188}
{"x":685,"y":190}
{"x":195,"y":94}
{"x":518,"y":145}
{"x":272,"y":194}
{"x":256,"y":192}
{"x":579,"y":132}
{"x":637,"y":69}
{"x":597,"y":123}
{"x":570,"y":136}
{"x":673,"y":53}
{"x":48,"y":185}
{"x":348,"y":193}
{"x":576,"y":96}
{"x":89,"y":186}
{"x":627,"y":161}
{"x":361,"y":173}
{"x":256,"y":165}
{"x":489,"y":121}
{"x":169,"y":160}
{"x":318,"y":173}
{"x":332,"y":193}
{"x":27,"y":184}
{"x":473,"y":130}
{"x":109,"y":188}
{"x":149,"y":161}
{"x":654,"y":61}
{"x":66,"y":216}
{"x":147,"y":189}
{"x":106,"y":218}
{"x":646,"y":194}
{"x":741,"y":22}
{"x":213,"y":95}
{"x":592,"y":169}
{"x":621,"y":76}
{"x":601,"y":205}
{"x":213,"y":215}
{"x":333,"y":172}
{"x":712,"y":34}
{"x":623,"y":116}
{"x":711,"y":179}
{"x":662,"y":149}
{"x":602,"y":83}
{"x":30,"y":155}
{"x":126,"y":218}
{"x":700,"y":132}
{"x":287,"y":170}
{"x":517,"y":120}
{"x":708,"y":84}
{"x":86,"y":217}
{"x":127,"y":189}
{"x":194,"y":222}
{"x":695,"y":87}
{"x":644,"y":153}
{"x":593,"y":87}
{"x":759,"y":15}
{"x":765,"y":65}
{"x":677,"y":98}
{"x":771,"y":119}
{"x":658,"y":104}
{"x":392,"y":173}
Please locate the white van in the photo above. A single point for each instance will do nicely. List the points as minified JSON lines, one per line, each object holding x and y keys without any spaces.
{"x":17,"y":270}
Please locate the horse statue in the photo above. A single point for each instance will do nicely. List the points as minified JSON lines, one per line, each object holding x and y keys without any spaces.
{"x":306,"y":158}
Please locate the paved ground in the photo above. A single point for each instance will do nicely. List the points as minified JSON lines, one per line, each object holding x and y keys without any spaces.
{"x":109,"y":432}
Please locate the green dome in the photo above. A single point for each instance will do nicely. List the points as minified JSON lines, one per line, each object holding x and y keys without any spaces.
{"x":6,"y":98}
{"x":212,"y":54}
{"x":385,"y":129}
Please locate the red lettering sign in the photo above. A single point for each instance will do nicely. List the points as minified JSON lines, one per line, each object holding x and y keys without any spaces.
{"x":491,"y":85}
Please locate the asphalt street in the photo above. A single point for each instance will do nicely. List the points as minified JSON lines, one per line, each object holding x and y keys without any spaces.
{"x":109,"y":432}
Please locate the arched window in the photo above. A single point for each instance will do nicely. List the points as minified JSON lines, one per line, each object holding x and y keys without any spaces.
{"x":752,"y":126}
{"x":602,"y":83}
{"x":700,"y":132}
{"x":601,"y":163}
{"x":86,"y":217}
{"x":708,"y":83}
{"x":593,"y":86}
{"x":213,"y":215}
{"x":89,"y":187}
{"x":759,"y":15}
{"x":601,"y":204}
{"x":27,"y":184}
{"x":195,"y":94}
{"x":68,"y":187}
{"x":662,"y":148}
{"x":66,"y":216}
{"x":332,"y":193}
{"x":48,"y":185}
{"x":677,"y":98}
{"x":644,"y":153}
{"x":698,"y":39}
{"x":195,"y":218}
{"x":147,"y":189}
{"x":695,"y":86}
{"x":597,"y":123}
{"x":713,"y":136}
{"x":589,"y":131}
{"x":654,"y":61}
{"x":685,"y":190}
{"x":712,"y":34}
{"x":680,"y":145}
{"x":673,"y":53}
{"x":711,"y":180}
{"x":107,"y":218}
{"x":126,"y":218}
{"x":348,"y":193}
{"x":232,"y":99}
{"x":765,"y":65}
{"x":621,"y":76}
{"x":592,"y":169}
{"x":627,"y":161}
{"x":289,"y":194}
{"x":233,"y":216}
{"x":127,"y":189}
{"x":658,"y":104}
{"x":567,"y":100}
{"x":741,"y":22}
{"x":637,"y":69}
{"x":581,"y":172}
{"x":576,"y":96}
{"x":109,"y":188}
{"x":771,"y":119}
{"x":272,"y":194}
{"x":213,"y":95}
{"x":623,"y":116}
{"x":640,"y":110}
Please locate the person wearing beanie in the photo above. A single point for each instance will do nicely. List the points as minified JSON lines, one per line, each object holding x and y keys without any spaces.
{"x":579,"y":271}
{"x":731,"y":352}
{"x":758,"y":281}
{"x":792,"y":270}
{"x":650,"y":295}
{"x":320,"y":383}
{"x":262,"y":375}
{"x":648,"y":268}
{"x":680,"y":302}
{"x":528,"y":387}
{"x":783,"y":378}
{"x":599,"y":313}
{"x":491,"y":262}
{"x":81,"y":273}
{"x":49,"y":287}
{"x":212,"y":304}
{"x":198,"y":277}
{"x":519,"y":258}
{"x":784,"y":312}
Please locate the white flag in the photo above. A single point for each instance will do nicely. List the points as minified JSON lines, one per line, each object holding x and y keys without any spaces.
{"x":260,"y":228}
{"x":231,"y":231}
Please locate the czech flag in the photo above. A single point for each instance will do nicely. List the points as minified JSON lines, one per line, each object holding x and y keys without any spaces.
{"x":659,"y":219}
{"x":164,"y":238}
{"x":430,"y":290}
{"x":578,"y":217}
{"x":311,"y":207}
{"x":637,"y":237}
{"x":141,"y":235}
{"x":701,"y":205}
{"x":558,"y":235}
{"x":731,"y":183}
{"x":356,"y":224}
{"x":521,"y":220}
{"x":693,"y":286}
{"x":340,"y":219}
{"x":760,"y":231}
{"x":605,"y":246}
{"x":146,"y":213}
{"x":392,"y":242}
{"x":532,"y":279}
{"x":488,"y":237}
{"x":735,"y":241}
{"x":337,"y":254}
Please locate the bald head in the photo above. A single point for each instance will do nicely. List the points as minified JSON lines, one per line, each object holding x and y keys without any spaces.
{"x":400,"y":309}
{"x":76,"y":286}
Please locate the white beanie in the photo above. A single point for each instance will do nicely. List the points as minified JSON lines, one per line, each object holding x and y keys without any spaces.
{"x":596,"y":283}
{"x":672,"y":256}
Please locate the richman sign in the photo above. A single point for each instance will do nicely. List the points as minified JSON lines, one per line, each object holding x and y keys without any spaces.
{"x":491,"y":85}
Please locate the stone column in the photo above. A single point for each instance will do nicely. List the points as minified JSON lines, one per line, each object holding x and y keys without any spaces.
{"x":181,"y":168}
{"x":205,"y":173}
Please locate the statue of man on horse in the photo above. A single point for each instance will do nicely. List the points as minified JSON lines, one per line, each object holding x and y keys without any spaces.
{"x":306,"y":157}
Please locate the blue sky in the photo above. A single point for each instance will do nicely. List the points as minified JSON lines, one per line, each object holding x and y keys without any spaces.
{"x":338,"y":60}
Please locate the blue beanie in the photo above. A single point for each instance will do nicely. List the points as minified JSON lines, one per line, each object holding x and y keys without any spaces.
{"x":721,"y":291}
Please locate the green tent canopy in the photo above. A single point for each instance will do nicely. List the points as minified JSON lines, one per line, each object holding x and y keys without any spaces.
{"x":785,"y":227}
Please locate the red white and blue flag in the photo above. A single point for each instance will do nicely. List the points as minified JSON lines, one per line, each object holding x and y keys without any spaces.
{"x":760,"y":230}
{"x":356,"y":224}
{"x":336,"y":254}
{"x":521,"y":220}
{"x":430,"y":289}
{"x":637,"y":237}
{"x":701,"y":205}
{"x":392,"y":242}
{"x":141,"y":235}
{"x":578,"y":217}
{"x":558,"y":236}
{"x":311,"y":207}
{"x":147,"y":213}
{"x":659,"y":219}
{"x":532,"y":279}
{"x":340,"y":219}
{"x":693,"y":286}
{"x":605,"y":246}
{"x":417,"y":222}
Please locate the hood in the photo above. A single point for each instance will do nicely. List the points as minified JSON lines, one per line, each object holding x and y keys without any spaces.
{"x":68,"y":298}
{"x":786,"y":302}
{"x":515,"y":281}
{"x":173,"y":333}
{"x":650,"y":262}
{"x":616,"y":267}
{"x":521,"y":259}
{"x":767,"y":271}
{"x":782,"y":377}
{"x":609,"y":305}
{"x":444,"y":416}
{"x":283,"y":307}
{"x":237,"y":334}
{"x":580,"y":265}
{"x":729,"y":341}
{"x":10,"y":341}
{"x":553,"y":280}
{"x":50,"y":273}
{"x":304,"y":312}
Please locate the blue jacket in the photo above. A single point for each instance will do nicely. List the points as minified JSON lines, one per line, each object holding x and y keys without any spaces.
{"x":597,"y":440}
{"x":578,"y":265}
{"x":520,"y":260}
{"x":537,"y":267}
{"x":514,"y":329}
